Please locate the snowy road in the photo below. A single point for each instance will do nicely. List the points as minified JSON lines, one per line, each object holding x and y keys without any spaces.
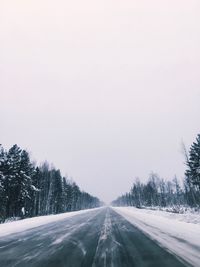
{"x":96,"y":238}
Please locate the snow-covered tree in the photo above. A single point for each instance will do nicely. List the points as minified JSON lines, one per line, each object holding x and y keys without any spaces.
{"x":3,"y":198}
{"x":192,"y":181}
{"x":193,"y":164}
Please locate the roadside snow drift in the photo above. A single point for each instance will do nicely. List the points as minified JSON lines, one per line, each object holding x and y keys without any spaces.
{"x":26,"y":224}
{"x":172,"y":232}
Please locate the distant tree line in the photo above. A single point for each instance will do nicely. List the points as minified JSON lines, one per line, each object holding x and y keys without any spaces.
{"x":27,"y":190}
{"x":162,"y":193}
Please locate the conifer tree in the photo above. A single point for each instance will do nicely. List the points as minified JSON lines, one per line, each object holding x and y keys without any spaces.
{"x":2,"y":184}
{"x":193,"y":163}
{"x":192,"y":185}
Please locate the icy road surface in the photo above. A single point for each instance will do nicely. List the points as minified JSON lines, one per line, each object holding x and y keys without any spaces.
{"x":96,"y":238}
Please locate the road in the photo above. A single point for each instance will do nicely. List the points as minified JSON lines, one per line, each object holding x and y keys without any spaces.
{"x":98,"y":238}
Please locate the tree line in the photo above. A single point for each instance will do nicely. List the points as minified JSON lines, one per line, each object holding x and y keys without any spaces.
{"x":162,"y":193}
{"x":27,"y":190}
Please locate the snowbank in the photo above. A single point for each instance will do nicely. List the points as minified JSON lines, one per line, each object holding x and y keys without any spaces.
{"x":178,"y":233}
{"x":26,"y":224}
{"x":187,"y":215}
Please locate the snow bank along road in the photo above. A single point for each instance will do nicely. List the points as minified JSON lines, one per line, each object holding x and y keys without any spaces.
{"x":96,"y":238}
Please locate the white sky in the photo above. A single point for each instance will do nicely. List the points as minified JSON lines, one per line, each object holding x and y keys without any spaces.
{"x":106,"y":90}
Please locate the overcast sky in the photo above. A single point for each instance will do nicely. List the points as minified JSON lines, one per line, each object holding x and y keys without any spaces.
{"x":105,"y":90}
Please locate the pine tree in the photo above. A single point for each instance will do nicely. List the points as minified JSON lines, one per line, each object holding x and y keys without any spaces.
{"x":25,"y":182}
{"x":12,"y":188}
{"x":2,"y":184}
{"x":58,"y":193}
{"x":193,"y":163}
{"x":18,"y":181}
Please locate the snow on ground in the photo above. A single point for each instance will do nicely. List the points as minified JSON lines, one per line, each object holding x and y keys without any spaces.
{"x":185,"y":214}
{"x":26,"y":224}
{"x":179,"y":233}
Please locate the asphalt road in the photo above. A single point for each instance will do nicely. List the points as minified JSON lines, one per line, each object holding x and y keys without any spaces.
{"x":98,"y":238}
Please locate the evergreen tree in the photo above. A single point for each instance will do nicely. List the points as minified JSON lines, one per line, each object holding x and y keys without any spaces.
{"x":2,"y":184}
{"x":18,"y":181}
{"x":193,"y":164}
{"x":192,"y":183}
{"x":12,"y":182}
{"x":26,"y":173}
{"x":58,"y":193}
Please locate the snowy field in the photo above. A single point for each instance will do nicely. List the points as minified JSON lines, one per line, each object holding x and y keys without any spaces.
{"x":26,"y":224}
{"x":179,"y":233}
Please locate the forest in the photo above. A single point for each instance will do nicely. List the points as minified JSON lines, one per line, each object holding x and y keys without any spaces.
{"x":27,"y":190}
{"x":158,"y":192}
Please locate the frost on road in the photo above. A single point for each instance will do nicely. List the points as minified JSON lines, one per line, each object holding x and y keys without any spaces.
{"x":95,"y":238}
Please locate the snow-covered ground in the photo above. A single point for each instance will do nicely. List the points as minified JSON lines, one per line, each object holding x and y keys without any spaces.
{"x":26,"y":224}
{"x":179,"y":233}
